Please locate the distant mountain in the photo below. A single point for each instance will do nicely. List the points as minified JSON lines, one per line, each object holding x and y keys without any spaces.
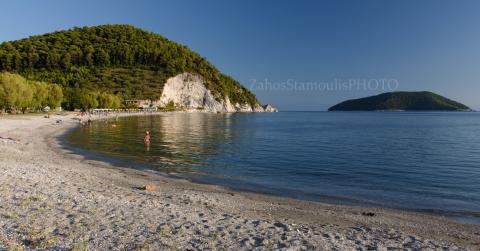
{"x":117,"y":59}
{"x":407,"y":101}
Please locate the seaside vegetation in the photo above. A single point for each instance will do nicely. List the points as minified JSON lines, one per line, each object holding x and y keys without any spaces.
{"x":117,"y":59}
{"x":170,"y":106}
{"x":18,"y":94}
{"x":408,"y":101}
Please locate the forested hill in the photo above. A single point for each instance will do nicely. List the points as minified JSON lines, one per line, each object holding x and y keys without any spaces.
{"x":120,"y":59}
{"x":408,"y":101}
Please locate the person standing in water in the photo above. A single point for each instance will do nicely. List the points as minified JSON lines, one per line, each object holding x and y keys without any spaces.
{"x":146,"y":139}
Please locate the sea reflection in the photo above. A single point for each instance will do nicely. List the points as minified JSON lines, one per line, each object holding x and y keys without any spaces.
{"x":179,"y":141}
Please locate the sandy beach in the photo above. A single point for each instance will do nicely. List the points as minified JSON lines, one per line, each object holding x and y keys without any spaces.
{"x":54,"y":199}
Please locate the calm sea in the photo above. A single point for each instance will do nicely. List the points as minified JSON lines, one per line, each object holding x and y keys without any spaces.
{"x":423,"y":161}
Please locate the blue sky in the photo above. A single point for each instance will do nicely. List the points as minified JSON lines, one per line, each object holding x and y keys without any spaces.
{"x":298,"y":55}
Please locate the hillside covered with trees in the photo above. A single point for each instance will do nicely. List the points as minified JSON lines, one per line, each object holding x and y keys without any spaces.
{"x":115,"y":59}
{"x":408,"y":101}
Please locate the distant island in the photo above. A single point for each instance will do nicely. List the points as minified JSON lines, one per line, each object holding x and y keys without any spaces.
{"x":401,"y":101}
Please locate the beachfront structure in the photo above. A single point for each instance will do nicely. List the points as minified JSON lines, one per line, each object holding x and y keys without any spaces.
{"x":139,"y":103}
{"x":146,"y":105}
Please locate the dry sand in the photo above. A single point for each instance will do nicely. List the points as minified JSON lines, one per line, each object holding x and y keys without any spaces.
{"x":56,"y":200}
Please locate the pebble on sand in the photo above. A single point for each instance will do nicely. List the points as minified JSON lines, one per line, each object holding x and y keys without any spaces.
{"x":150,"y":187}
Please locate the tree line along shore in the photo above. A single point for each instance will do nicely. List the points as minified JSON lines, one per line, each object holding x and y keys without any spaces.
{"x":18,"y":94}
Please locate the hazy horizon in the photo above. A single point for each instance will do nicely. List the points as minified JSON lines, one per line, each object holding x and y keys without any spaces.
{"x":302,"y":56}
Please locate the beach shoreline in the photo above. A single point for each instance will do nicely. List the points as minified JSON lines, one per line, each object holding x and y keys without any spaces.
{"x":53,"y":198}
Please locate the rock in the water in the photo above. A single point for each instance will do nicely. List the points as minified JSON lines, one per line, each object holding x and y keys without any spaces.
{"x":269,"y":108}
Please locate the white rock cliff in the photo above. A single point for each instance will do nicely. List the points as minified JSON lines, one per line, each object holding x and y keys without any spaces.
{"x":188,"y":91}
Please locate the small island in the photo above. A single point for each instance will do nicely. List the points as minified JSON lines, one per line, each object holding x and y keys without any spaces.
{"x":401,"y":101}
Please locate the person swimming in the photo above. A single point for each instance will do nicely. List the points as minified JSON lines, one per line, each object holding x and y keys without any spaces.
{"x":146,"y":139}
